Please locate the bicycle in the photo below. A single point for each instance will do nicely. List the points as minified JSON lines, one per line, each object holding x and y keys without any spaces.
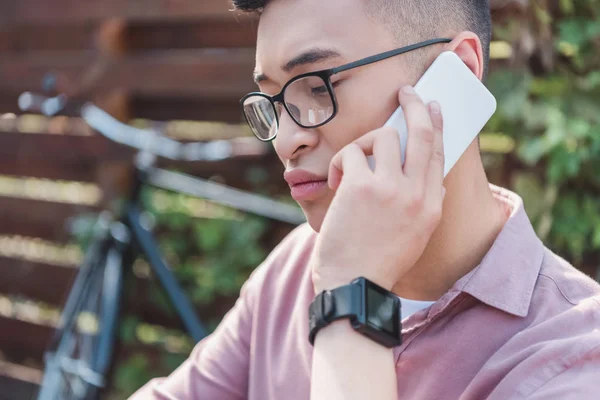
{"x":77,"y":362}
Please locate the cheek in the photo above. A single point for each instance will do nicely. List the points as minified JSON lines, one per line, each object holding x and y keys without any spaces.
{"x":360,"y":114}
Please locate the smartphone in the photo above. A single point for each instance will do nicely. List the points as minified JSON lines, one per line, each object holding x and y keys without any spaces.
{"x":466,"y":104}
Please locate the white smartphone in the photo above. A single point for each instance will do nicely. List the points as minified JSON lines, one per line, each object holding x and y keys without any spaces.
{"x":467,"y":105}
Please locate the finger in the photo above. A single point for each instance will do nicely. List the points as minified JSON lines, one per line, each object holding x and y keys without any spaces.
{"x":420,"y":136}
{"x":435,"y":174}
{"x":384,"y":145}
{"x":348,"y":163}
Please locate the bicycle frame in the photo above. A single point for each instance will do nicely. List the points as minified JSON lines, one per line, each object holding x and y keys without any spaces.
{"x":149,"y":249}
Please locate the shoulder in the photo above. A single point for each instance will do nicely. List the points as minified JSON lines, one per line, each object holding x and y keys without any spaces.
{"x":292,"y":253}
{"x":564,"y":296}
{"x":565,"y":303}
{"x":287,"y":262}
{"x":561,"y":331}
{"x":565,"y":281}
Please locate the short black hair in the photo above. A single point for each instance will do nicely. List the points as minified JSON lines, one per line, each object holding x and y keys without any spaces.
{"x":432,"y":17}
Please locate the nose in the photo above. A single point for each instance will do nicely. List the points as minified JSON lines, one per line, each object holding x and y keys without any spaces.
{"x":292,"y":140}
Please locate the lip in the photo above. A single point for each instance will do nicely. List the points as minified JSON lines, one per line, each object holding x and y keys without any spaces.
{"x":305,"y":185}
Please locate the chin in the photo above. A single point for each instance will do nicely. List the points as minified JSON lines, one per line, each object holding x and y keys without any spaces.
{"x":315,"y":214}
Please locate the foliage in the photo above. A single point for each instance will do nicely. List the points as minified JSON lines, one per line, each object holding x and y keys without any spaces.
{"x":211,"y":256}
{"x":549,"y":102}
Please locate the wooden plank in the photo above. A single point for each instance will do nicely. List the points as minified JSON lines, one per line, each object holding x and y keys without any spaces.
{"x":58,"y":37}
{"x":138,"y":35}
{"x":14,"y":388}
{"x":59,"y":11}
{"x":43,"y":282}
{"x":39,"y":168}
{"x":41,"y":219}
{"x":51,"y":284}
{"x":22,"y":341}
{"x":19,"y":148}
{"x":20,"y":372}
{"x":8,"y":102}
{"x":59,"y":157}
{"x":160,"y":107}
{"x":506,"y":10}
{"x":165,"y":108}
{"x":230,"y":33}
{"x":214,"y":74}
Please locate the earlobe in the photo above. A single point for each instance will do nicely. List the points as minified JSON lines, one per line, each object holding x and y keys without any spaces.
{"x":468,"y":47}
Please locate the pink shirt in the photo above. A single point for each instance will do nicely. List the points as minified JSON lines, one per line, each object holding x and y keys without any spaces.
{"x":524,"y":324}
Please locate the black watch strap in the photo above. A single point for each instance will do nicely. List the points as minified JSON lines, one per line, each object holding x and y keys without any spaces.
{"x":331,"y":305}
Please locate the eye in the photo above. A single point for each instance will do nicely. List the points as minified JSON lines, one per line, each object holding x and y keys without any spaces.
{"x":319,"y":90}
{"x":322,"y":90}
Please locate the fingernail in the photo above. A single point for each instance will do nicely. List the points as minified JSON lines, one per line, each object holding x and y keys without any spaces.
{"x":434,"y":107}
{"x":408,"y":90}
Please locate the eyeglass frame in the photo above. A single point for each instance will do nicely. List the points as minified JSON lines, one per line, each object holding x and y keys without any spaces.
{"x":325,"y":75}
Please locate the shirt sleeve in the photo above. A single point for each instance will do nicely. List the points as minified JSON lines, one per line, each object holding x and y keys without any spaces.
{"x":218,"y":366}
{"x":568,"y":369}
{"x":579,"y":382}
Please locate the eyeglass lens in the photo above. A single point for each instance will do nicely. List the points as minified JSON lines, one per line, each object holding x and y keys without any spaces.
{"x":308,"y":100}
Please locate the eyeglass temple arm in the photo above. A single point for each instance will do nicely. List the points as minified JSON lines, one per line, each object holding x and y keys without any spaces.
{"x":387,"y":54}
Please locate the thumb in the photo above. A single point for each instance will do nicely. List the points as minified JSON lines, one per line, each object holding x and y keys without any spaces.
{"x":349,"y":162}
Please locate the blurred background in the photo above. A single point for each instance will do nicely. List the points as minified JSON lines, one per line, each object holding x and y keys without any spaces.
{"x":181,"y":66}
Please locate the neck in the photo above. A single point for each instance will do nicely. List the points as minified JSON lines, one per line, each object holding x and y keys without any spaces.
{"x":471,"y":220}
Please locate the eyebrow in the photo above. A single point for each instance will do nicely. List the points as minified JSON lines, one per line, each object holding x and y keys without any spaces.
{"x":311,"y":56}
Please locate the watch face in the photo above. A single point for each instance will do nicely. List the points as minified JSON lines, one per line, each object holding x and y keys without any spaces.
{"x":382,"y":311}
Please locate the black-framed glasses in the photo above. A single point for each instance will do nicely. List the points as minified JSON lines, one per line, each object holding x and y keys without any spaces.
{"x":308,"y":98}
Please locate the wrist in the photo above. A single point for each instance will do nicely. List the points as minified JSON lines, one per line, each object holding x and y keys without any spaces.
{"x":373,"y":311}
{"x":341,"y":330}
{"x":328,"y":281}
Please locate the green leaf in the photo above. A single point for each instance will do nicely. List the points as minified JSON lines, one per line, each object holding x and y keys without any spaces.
{"x":531,"y":150}
{"x":529,"y":187}
{"x":563,"y":165}
{"x":127,"y":329}
{"x":596,"y":238}
{"x":567,"y":6}
{"x":573,"y":31}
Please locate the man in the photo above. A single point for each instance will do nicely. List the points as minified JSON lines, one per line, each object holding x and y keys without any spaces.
{"x":487,"y":311}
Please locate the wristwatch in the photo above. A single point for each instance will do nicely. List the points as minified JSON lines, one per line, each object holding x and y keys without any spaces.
{"x":373,"y":311}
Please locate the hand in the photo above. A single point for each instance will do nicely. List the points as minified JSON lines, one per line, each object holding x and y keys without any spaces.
{"x":380,"y":221}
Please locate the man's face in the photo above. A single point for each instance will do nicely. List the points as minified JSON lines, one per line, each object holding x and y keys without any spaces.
{"x":366,"y":96}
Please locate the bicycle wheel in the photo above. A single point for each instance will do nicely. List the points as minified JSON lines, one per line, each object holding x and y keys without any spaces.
{"x":78,"y":361}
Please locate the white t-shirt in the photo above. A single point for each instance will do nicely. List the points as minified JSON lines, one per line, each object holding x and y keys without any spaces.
{"x":409,"y":307}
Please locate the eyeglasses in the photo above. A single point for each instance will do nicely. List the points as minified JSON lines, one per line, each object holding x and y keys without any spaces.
{"x":308,"y":98}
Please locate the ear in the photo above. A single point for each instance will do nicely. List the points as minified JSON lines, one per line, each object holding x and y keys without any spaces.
{"x":468,"y":47}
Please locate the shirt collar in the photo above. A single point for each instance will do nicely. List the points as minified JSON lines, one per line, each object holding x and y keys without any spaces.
{"x":506,"y":276}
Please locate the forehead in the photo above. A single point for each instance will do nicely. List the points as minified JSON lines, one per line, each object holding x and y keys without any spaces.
{"x":288,"y":27}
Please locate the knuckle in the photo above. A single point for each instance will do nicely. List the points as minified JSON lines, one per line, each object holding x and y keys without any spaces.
{"x":415,"y":202}
{"x":388,"y":131}
{"x":426,"y":133}
{"x":388,"y":193}
{"x":363,"y":188}
{"x":438,"y":155}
